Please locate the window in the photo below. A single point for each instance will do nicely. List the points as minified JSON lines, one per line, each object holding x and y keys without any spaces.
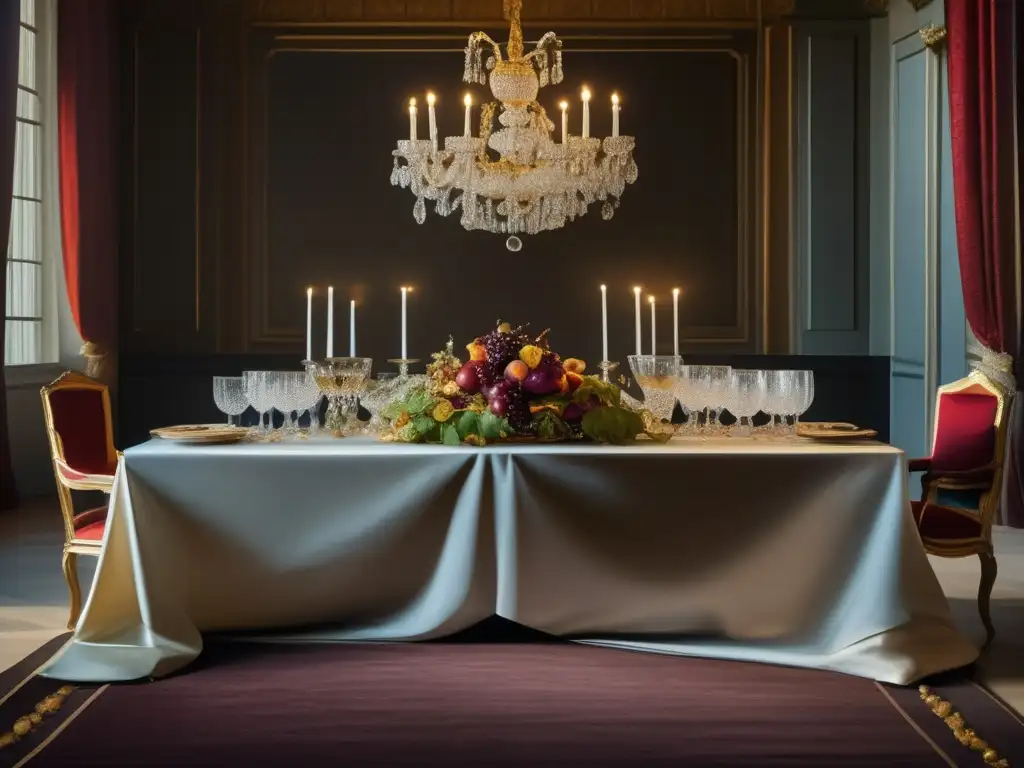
{"x":29,"y":246}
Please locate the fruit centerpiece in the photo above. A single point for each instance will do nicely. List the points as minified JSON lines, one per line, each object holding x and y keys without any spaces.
{"x":513,"y":388}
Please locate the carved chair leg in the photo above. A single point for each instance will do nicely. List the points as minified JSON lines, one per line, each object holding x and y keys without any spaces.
{"x":71,"y":576}
{"x":989,"y":569}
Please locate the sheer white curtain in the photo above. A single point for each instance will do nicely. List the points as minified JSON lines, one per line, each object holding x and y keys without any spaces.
{"x":34,"y":241}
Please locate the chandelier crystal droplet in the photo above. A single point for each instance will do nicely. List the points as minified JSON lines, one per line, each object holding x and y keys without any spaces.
{"x":534,"y":183}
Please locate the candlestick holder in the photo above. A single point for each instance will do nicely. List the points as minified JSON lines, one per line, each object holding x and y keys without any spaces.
{"x":606,"y":367}
{"x":403,"y":364}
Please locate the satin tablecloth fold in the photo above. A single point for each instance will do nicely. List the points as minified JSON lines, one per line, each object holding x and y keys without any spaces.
{"x":783,"y":552}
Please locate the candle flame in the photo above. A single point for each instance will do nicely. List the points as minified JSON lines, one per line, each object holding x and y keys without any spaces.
{"x":585,"y":93}
{"x":650,"y":299}
{"x":675,"y":291}
{"x":468,"y":100}
{"x":636,"y":289}
{"x":412,"y":103}
{"x":431,"y":99}
{"x":615,"y":99}
{"x":604,"y":287}
{"x":309,"y":291}
{"x":563,"y":105}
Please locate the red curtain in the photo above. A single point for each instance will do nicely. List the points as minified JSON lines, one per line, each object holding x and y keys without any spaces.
{"x":10,"y":11}
{"x":980,"y":39}
{"x":87,"y":135}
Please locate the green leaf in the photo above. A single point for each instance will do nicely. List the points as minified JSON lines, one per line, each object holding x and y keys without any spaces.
{"x":419,"y":401}
{"x":493,"y":427}
{"x":549,"y":426}
{"x":612,"y":425}
{"x":592,"y":386}
{"x":392,"y":410}
{"x":425,"y":425}
{"x":450,"y":435}
{"x":557,"y":401}
{"x":467,"y":423}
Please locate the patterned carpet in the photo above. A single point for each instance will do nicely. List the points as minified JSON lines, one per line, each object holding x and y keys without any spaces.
{"x":493,"y":698}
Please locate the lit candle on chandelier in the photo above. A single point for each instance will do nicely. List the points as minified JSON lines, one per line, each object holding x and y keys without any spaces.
{"x":675,"y":321}
{"x":636,"y":296}
{"x":565,"y":121}
{"x":468,"y":101}
{"x":654,"y":332}
{"x":615,"y":114}
{"x":432,"y":117}
{"x":585,"y":95}
{"x":412,"y":119}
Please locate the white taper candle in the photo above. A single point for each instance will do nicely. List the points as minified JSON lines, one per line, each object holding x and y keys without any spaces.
{"x":585,"y":95}
{"x":675,"y":321}
{"x":565,"y":121}
{"x":405,"y":347}
{"x":467,"y":130}
{"x":309,"y":323}
{"x":636,"y":296}
{"x":654,"y":332}
{"x":330,"y":321}
{"x":432,"y":119}
{"x":352,"y":328}
{"x":412,"y":119}
{"x":615,"y":114}
{"x":604,"y":323}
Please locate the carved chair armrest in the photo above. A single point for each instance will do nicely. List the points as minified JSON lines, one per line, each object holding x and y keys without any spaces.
{"x":920,"y":465}
{"x":978,"y":477}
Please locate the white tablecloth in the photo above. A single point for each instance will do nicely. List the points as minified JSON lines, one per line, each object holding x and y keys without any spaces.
{"x":786,"y":552}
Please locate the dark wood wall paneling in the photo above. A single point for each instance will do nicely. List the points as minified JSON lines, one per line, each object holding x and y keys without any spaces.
{"x":257,"y":163}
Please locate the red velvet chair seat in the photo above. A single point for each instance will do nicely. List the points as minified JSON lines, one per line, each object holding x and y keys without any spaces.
{"x":945,"y":523}
{"x":90,"y":525}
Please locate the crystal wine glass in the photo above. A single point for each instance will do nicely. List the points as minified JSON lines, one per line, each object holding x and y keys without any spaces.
{"x":656,"y":376}
{"x":804,"y":384}
{"x":711,"y":382}
{"x":779,"y":387}
{"x":342,"y":380}
{"x":691,"y":393}
{"x":229,"y":395}
{"x":257,"y":392}
{"x":746,"y":396}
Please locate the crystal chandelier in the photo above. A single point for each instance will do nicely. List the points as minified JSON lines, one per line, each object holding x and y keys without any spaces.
{"x":534,"y":183}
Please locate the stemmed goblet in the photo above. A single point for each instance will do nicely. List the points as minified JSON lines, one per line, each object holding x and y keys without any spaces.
{"x":257,"y":392}
{"x":342,"y":380}
{"x":656,"y":376}
{"x":229,"y":395}
{"x":747,"y":392}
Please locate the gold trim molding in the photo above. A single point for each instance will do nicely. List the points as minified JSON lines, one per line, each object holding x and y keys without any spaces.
{"x":933,"y":36}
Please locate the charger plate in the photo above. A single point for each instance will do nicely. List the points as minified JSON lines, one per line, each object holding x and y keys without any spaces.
{"x":834,"y":431}
{"x":201,"y":434}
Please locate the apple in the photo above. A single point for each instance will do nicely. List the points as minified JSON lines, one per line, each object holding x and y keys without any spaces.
{"x":468,"y":377}
{"x":541,"y":381}
{"x":516,"y":371}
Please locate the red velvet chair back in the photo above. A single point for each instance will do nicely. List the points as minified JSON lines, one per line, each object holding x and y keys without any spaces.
{"x":78,"y":413}
{"x":965,"y":431}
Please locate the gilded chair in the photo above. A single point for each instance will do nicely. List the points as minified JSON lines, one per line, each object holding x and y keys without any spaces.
{"x":963,"y":476}
{"x":78,"y":424}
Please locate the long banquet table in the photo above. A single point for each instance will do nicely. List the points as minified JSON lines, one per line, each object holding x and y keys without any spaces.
{"x":785,"y":552}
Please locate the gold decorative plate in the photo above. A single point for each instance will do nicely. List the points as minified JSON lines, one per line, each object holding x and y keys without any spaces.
{"x":833,"y":430}
{"x":202,"y":434}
